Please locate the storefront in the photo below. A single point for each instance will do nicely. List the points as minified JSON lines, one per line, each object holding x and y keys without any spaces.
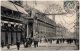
{"x":13,"y":25}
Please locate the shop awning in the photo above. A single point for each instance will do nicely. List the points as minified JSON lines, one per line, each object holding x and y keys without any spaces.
{"x":21,"y":9}
{"x":12,"y":6}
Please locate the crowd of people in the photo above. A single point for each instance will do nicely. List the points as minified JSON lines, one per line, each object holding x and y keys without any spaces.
{"x":28,"y":42}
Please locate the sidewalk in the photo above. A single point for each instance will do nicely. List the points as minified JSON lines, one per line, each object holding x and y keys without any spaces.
{"x":13,"y":47}
{"x":22,"y":46}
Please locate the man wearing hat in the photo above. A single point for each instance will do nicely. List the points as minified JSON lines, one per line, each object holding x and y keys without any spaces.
{"x":36,"y":40}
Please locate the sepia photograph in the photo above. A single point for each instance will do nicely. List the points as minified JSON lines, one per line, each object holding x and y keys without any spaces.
{"x":39,"y":25}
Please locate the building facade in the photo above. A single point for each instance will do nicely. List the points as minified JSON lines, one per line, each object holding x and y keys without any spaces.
{"x":17,"y":24}
{"x":13,"y":26}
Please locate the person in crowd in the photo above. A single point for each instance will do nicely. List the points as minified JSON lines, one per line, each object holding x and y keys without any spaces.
{"x":67,"y":41}
{"x":45,"y":40}
{"x":35,"y":42}
{"x":8,"y":46}
{"x":70,"y":41}
{"x":2,"y":43}
{"x":30,"y":41}
{"x":57,"y":41}
{"x":63,"y":40}
{"x":40,"y":40}
{"x":24,"y":42}
{"x":51,"y":41}
{"x":18,"y":44}
{"x":27,"y":42}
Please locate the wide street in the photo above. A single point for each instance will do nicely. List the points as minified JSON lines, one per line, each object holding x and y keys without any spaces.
{"x":44,"y":46}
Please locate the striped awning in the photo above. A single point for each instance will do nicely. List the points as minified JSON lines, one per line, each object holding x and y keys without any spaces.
{"x":13,"y":7}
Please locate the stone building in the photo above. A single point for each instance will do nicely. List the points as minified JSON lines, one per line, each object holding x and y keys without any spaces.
{"x":12,"y":22}
{"x":17,"y":24}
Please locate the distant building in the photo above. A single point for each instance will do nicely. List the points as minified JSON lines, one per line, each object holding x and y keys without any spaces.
{"x":60,"y":31}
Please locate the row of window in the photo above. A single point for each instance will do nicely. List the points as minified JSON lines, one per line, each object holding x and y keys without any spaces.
{"x":10,"y":13}
{"x":44,"y":18}
{"x":45,"y":30}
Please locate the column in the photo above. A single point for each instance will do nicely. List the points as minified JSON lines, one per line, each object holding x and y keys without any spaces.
{"x":27,"y":29}
{"x":9,"y":33}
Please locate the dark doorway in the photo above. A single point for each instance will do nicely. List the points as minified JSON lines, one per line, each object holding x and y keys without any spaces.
{"x":6,"y":33}
{"x":30,"y":29}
